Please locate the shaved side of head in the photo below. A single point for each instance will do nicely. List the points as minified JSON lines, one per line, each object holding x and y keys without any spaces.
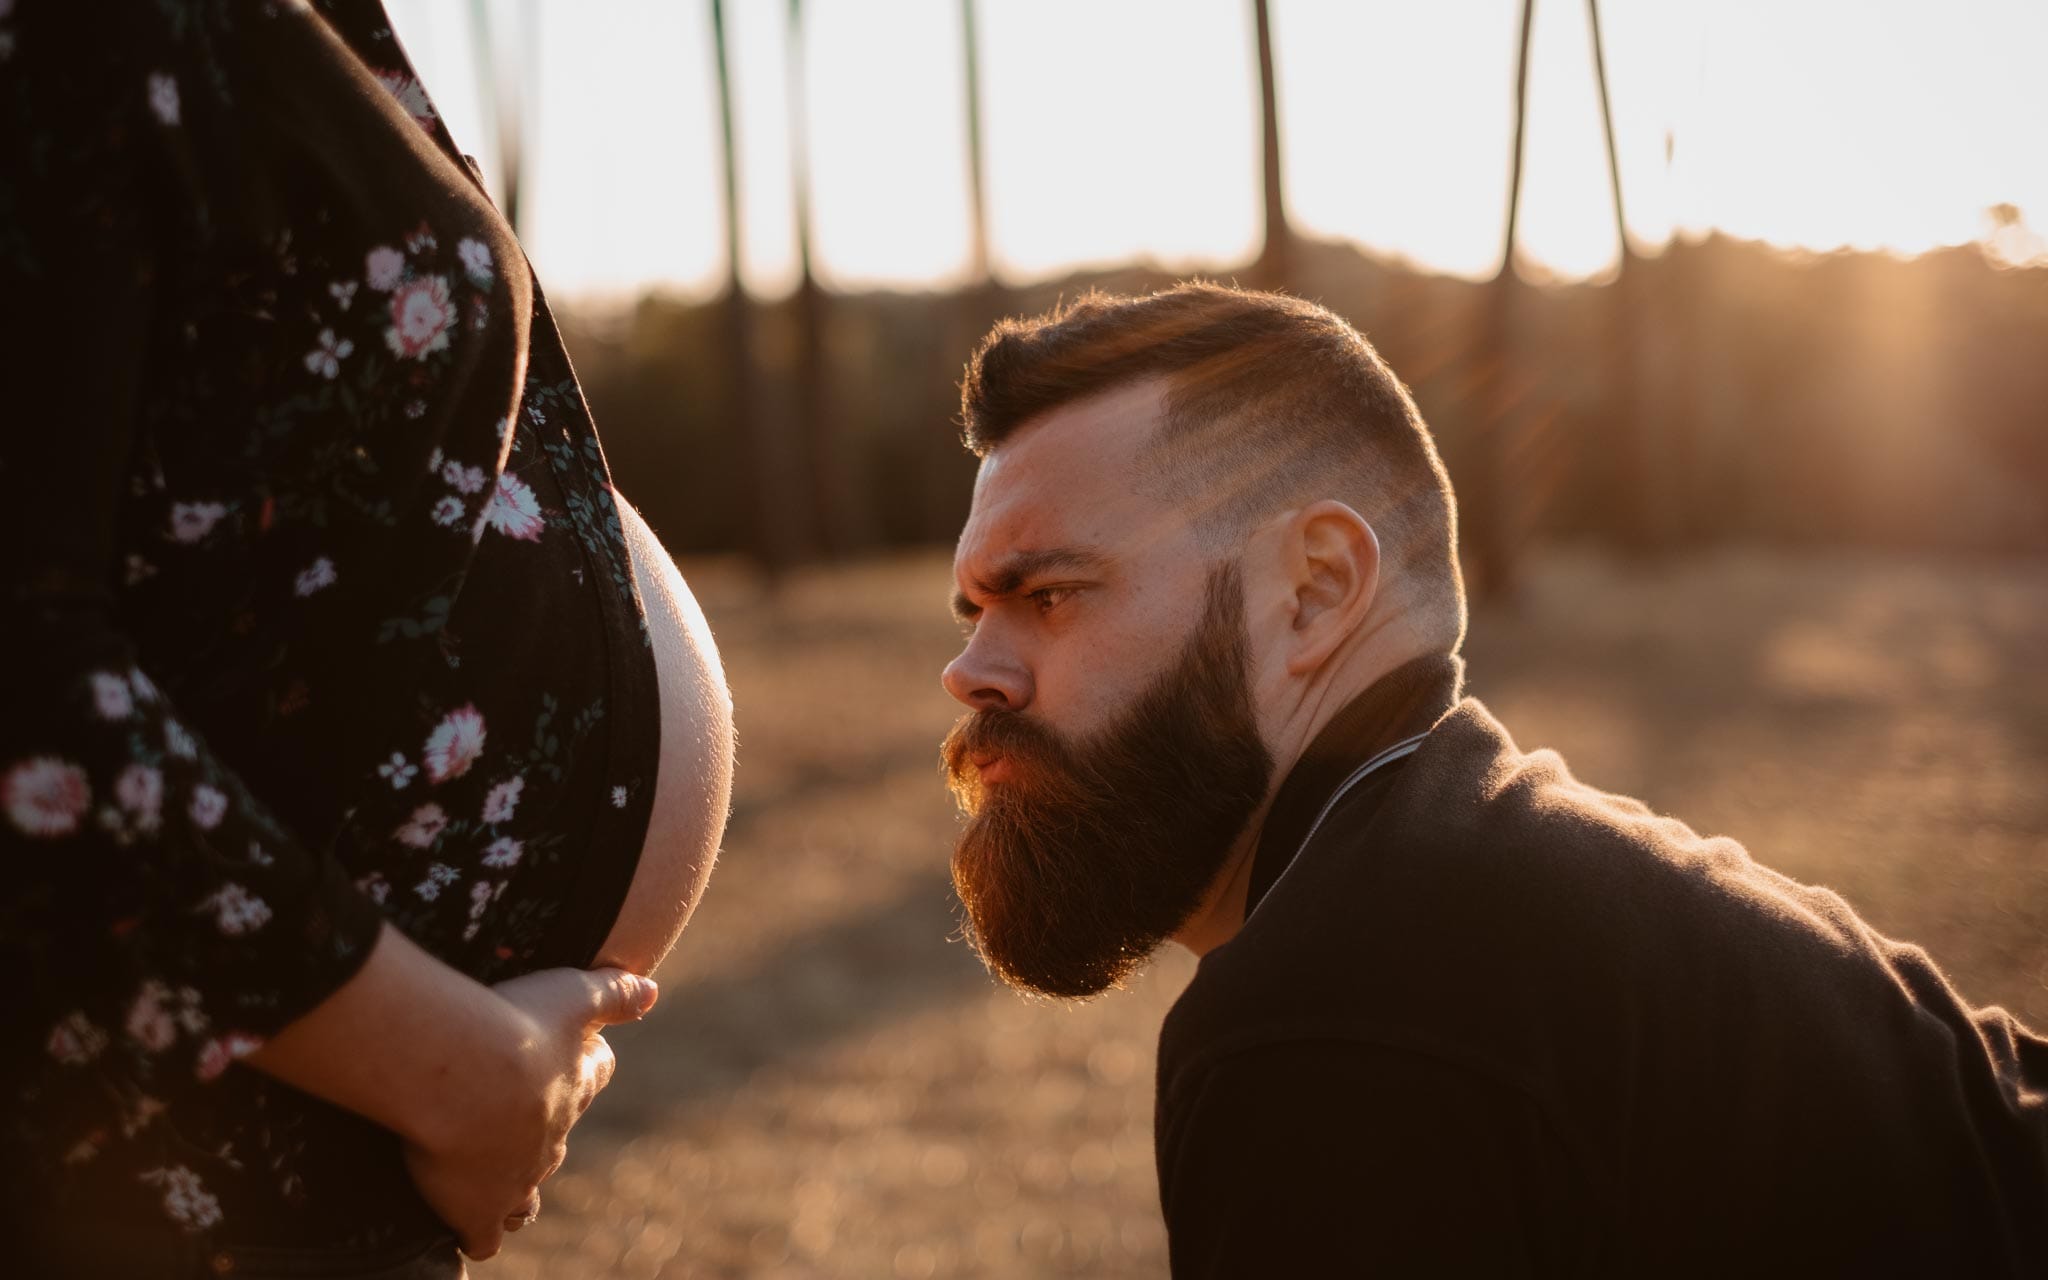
{"x":1271,"y":403}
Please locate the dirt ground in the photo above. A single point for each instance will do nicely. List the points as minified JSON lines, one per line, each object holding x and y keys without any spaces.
{"x":831,"y":1087}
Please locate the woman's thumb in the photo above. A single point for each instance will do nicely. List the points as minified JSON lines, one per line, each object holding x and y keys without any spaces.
{"x":622,"y":996}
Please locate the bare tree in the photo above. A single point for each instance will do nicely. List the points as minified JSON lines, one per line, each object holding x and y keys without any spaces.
{"x":504,"y":97}
{"x":977,"y":182}
{"x":1491,"y":520}
{"x":1274,"y":268}
{"x":1636,"y":442}
{"x":817,"y":417}
{"x":778,"y":512}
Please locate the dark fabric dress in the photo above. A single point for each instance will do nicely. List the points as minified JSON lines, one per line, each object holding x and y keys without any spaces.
{"x":318,"y":613}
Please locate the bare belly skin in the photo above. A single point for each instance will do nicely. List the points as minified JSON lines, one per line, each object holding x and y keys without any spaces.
{"x":693,"y":788}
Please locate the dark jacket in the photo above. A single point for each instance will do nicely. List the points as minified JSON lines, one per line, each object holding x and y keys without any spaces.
{"x":1492,"y":1021}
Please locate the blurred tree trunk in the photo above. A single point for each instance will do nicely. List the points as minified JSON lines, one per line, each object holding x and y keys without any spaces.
{"x":1490,"y":517}
{"x":1637,"y":435}
{"x":778,"y":508}
{"x":1275,"y":267}
{"x":502,"y":105}
{"x":985,"y":299}
{"x":977,"y":181}
{"x":837,"y":523}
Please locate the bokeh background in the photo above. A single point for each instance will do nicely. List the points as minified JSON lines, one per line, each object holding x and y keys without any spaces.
{"x":1730,"y":320}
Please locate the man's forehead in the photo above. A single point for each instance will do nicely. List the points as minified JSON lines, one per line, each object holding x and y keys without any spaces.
{"x":1068,"y":469}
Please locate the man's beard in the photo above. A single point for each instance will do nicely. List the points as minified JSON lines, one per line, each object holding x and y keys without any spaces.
{"x":1088,"y":856}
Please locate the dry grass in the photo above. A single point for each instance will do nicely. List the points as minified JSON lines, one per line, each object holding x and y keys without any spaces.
{"x":832,"y":1088}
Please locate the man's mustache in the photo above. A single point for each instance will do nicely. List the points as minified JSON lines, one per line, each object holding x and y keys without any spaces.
{"x":1035,"y":751}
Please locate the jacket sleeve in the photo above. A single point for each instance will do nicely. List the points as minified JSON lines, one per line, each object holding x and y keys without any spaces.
{"x":157,"y":922}
{"x":1328,"y":1158}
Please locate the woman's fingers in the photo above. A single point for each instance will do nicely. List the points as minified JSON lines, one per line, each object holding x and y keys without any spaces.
{"x":619,"y":996}
{"x":601,"y":1062}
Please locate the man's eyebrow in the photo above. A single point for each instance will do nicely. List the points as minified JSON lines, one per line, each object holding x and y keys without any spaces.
{"x":1020,"y":568}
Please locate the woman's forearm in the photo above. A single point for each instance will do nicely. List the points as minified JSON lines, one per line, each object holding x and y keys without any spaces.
{"x":408,"y":1042}
{"x":482,"y":1083}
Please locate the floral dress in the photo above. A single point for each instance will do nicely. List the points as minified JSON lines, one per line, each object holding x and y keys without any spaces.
{"x":318,"y":614}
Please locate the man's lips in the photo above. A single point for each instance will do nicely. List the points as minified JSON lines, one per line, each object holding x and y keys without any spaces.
{"x":990,"y":766}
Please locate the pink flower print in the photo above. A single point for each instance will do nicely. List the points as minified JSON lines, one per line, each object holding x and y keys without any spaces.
{"x":111,"y":822}
{"x":503,"y":852}
{"x":111,"y":696}
{"x":410,"y":94}
{"x":454,"y":744}
{"x":503,"y":799}
{"x":481,"y":895}
{"x":326,"y":358}
{"x":476,"y":260}
{"x":398,"y":771}
{"x":187,"y":1202}
{"x":421,"y":315}
{"x":187,"y":1011}
{"x":76,"y":1041}
{"x":467,"y":479}
{"x":140,"y":789}
{"x":45,"y":796}
{"x":449,"y":511}
{"x":149,"y":1024}
{"x":423,"y":828}
{"x":236,"y":910}
{"x":383,"y":266}
{"x":209,"y":805}
{"x":439,"y":877}
{"x":216,"y":1054}
{"x":163,"y":97}
{"x":343,"y":292}
{"x":191,"y":521}
{"x":618,"y":797}
{"x":422,"y":240}
{"x":136,"y":1118}
{"x":513,"y":510}
{"x":314,"y":576}
{"x":415,"y":409}
{"x":179,"y":742}
{"x":375,"y":887}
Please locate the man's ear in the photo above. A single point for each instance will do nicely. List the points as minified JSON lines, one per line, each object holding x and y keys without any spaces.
{"x":1332,"y":559}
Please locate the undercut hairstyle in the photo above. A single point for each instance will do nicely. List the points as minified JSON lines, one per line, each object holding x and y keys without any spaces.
{"x":1271,"y":403}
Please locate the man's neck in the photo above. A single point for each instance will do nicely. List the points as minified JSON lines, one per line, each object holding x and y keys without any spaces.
{"x":1222,"y":911}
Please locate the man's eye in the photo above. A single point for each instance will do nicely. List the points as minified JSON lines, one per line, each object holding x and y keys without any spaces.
{"x":1048,"y":598}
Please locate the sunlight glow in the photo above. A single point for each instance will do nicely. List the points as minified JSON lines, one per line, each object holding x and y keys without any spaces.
{"x":1128,"y":131}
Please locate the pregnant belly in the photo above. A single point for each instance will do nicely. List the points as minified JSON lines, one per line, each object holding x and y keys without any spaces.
{"x":693,"y":786}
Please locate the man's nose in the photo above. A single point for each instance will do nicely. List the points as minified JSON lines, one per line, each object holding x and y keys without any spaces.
{"x":983,"y":678}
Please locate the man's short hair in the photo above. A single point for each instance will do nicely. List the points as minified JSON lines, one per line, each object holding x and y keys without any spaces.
{"x":1271,"y":402}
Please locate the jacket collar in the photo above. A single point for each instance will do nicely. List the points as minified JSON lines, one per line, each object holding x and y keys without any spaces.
{"x":1406,"y":701}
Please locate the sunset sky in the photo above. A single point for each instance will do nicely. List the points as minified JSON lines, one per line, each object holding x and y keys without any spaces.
{"x":1120,"y":129}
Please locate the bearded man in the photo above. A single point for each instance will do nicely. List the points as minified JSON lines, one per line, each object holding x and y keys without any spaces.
{"x":1457,"y":1013}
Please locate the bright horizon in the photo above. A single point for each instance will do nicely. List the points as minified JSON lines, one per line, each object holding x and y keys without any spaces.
{"x":1129,"y":131}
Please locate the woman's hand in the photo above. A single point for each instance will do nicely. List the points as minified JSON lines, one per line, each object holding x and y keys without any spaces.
{"x":481,"y":1083}
{"x":482,"y":1170}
